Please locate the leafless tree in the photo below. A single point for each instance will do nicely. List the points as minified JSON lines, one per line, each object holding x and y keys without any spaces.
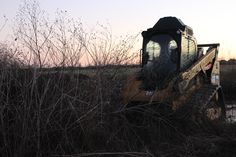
{"x":105,"y":49}
{"x":33,"y":31}
{"x":67,"y":42}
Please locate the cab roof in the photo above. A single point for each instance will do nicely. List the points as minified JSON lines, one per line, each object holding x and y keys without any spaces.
{"x":167,"y":24}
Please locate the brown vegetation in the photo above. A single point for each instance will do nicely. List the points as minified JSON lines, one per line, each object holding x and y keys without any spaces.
{"x":52,"y":113}
{"x":44,"y":114}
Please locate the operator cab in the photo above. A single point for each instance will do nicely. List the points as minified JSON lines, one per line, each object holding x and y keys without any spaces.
{"x":168,"y":48}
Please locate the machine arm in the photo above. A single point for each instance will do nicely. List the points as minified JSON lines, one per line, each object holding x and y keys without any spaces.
{"x":201,"y":65}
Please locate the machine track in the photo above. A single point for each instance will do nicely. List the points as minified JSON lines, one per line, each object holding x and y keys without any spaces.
{"x":207,"y":104}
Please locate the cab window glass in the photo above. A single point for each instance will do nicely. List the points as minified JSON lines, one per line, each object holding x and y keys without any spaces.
{"x":172,"y":45}
{"x":153,"y":49}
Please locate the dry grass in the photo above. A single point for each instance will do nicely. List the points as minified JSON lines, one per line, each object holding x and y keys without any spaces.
{"x":57,"y":113}
{"x":44,"y":114}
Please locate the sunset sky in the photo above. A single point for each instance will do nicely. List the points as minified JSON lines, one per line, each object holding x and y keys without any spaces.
{"x":213,"y":21}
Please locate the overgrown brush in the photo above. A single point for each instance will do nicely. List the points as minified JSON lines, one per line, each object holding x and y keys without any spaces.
{"x":57,"y":113}
{"x":50,"y":113}
{"x":45,"y":113}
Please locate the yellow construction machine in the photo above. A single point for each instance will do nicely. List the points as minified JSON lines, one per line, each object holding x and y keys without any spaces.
{"x":177,"y":73}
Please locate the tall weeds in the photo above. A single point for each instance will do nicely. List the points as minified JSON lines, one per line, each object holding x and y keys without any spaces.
{"x":44,"y":113}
